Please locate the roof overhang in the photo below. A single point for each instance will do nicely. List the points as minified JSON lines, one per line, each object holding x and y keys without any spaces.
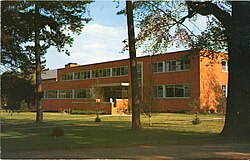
{"x":111,"y":85}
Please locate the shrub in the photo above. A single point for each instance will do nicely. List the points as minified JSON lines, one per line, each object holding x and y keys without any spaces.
{"x":196,"y":120}
{"x":98,"y":119}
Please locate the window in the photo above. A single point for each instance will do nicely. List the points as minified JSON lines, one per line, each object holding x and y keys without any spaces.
{"x":172,"y":91}
{"x":65,"y":94}
{"x":82,"y":93}
{"x":186,"y":64}
{"x":86,"y":74}
{"x":178,"y":65}
{"x":224,"y":90}
{"x":168,"y":66}
{"x":100,"y":75}
{"x":158,"y":67}
{"x":124,"y":70}
{"x":94,"y":74}
{"x":50,"y":94}
{"x":78,"y":75}
{"x":179,"y":91}
{"x":187,"y":90}
{"x":114,"y":72}
{"x":119,"y":71}
{"x":108,"y":71}
{"x":173,"y":65}
{"x":224,"y":65}
{"x":67,"y":76}
{"x":158,"y":91}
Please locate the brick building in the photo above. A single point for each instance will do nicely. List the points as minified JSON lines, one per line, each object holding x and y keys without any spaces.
{"x":167,"y":82}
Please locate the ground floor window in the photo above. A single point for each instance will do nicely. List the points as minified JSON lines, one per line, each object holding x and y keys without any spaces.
{"x":224,"y":90}
{"x":172,"y":91}
{"x":71,"y":93}
{"x":50,"y":94}
{"x":82,"y":93}
{"x":66,"y":94}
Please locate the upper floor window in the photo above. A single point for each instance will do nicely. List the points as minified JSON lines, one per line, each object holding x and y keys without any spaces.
{"x":97,"y":73}
{"x":158,"y":67}
{"x":120,"y":71}
{"x":67,"y":76}
{"x":173,"y":65}
{"x":224,"y":65}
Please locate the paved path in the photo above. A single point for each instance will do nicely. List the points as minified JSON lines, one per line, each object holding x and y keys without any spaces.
{"x":227,"y":151}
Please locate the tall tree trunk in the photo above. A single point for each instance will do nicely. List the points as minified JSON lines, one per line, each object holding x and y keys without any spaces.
{"x":237,"y":122}
{"x":133,"y":68}
{"x":39,"y":114}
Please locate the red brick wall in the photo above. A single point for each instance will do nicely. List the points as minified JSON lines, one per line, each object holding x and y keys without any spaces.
{"x":191,"y":76}
{"x":212,"y":78}
{"x":179,"y":77}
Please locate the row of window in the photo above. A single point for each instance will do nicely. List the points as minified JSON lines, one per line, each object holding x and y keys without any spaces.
{"x":75,"y":93}
{"x":99,"y":73}
{"x":174,"y":65}
{"x":172,"y":91}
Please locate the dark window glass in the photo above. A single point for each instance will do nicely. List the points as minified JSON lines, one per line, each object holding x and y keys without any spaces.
{"x":170,"y":92}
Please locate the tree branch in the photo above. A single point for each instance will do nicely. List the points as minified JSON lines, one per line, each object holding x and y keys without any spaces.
{"x":209,"y":8}
{"x":180,"y":22}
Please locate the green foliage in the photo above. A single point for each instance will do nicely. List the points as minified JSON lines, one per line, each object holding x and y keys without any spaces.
{"x":196,"y":121}
{"x":55,"y":20}
{"x":15,"y":89}
{"x":175,"y":23}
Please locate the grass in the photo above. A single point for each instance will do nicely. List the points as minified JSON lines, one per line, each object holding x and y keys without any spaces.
{"x":20,"y":133}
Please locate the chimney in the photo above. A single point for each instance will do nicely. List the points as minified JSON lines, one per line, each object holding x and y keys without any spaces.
{"x":69,"y":65}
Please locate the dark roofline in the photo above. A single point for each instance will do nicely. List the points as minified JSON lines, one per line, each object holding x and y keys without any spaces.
{"x":182,"y":51}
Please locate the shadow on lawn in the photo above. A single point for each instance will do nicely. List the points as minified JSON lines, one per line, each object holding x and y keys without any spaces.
{"x":25,"y":136}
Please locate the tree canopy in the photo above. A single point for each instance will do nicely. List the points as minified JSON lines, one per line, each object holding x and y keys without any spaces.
{"x":55,"y":20}
{"x":31,"y":27}
{"x":16,"y":89}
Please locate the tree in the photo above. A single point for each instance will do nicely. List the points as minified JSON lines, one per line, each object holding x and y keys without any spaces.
{"x":163,"y":24}
{"x":46,"y":24}
{"x":136,"y":124}
{"x":15,"y":89}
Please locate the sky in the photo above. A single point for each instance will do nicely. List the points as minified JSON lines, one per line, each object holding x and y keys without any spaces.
{"x":100,"y":40}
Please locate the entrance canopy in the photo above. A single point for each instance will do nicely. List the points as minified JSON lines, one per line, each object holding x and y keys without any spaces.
{"x":111,"y":85}
{"x":111,"y":90}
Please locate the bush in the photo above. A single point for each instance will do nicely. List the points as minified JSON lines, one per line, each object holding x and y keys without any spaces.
{"x":196,"y":121}
{"x":212,"y":110}
{"x":98,"y":119}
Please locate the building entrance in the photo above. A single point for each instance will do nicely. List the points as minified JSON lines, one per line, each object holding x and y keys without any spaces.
{"x":118,"y":93}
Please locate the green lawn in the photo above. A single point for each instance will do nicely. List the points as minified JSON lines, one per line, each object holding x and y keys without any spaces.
{"x":19,"y":132}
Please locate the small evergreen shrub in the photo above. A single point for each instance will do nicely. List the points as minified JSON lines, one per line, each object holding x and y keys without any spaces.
{"x":196,"y":121}
{"x":98,"y":119}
